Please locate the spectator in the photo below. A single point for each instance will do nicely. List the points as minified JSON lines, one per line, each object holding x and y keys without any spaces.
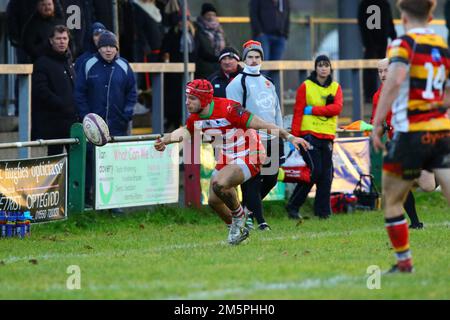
{"x":103,"y":12}
{"x":38,"y":29}
{"x":106,"y":86}
{"x":171,"y":12}
{"x":148,"y":32}
{"x":81,"y":35}
{"x":319,"y":102}
{"x":18,"y":14}
{"x":374,"y":38}
{"x":52,"y":87}
{"x":97,"y":29}
{"x":172,"y":50}
{"x":229,"y":69}
{"x":257,"y":94}
{"x":270,"y":25}
{"x":210,"y":41}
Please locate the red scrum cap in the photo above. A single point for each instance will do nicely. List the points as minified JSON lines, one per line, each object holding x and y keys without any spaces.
{"x":202,"y":89}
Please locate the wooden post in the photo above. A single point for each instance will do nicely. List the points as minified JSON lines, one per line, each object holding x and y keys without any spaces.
{"x":191,"y":156}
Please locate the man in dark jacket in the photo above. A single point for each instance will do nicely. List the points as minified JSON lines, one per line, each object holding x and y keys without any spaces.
{"x":53,"y":106}
{"x":106,"y":86}
{"x":86,"y":18}
{"x":103,"y":12}
{"x":229,"y":69}
{"x":18,"y":15}
{"x":375,"y":32}
{"x":270,"y":26}
{"x":38,"y":29}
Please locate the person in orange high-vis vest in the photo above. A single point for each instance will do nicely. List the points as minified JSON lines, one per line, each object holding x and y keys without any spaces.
{"x":319,"y":102}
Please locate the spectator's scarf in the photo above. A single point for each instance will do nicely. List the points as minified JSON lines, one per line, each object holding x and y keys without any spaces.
{"x":190,"y":37}
{"x":215,"y":33}
{"x":151,"y":9}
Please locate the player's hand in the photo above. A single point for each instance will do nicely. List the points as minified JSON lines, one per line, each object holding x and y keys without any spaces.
{"x":297,"y":142}
{"x":377,"y":133}
{"x":160,"y":145}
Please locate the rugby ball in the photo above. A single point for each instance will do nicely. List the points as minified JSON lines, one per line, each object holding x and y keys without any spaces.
{"x":96,"y":129}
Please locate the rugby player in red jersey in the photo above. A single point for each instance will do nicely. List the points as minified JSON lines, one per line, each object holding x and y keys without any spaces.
{"x":240,"y":151}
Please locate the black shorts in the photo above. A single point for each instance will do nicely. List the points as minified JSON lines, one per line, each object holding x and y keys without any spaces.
{"x":410,"y":152}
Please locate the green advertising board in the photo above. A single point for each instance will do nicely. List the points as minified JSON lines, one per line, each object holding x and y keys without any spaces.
{"x":131,"y":174}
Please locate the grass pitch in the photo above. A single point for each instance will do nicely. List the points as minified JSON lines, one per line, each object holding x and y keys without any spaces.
{"x":172,"y":253}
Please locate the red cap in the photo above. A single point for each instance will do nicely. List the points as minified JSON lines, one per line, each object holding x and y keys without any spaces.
{"x":202,"y":89}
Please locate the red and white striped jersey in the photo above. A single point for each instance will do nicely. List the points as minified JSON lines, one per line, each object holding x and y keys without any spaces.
{"x":226,"y":126}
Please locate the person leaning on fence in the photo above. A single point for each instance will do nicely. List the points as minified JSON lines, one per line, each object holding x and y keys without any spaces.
{"x":53,"y":107}
{"x":240,"y":152}
{"x":417,"y":88}
{"x":318,"y":103}
{"x":257,"y":94}
{"x":229,"y":68}
{"x":106,"y":85}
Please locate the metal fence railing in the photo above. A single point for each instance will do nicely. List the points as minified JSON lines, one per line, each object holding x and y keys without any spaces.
{"x":156,"y":71}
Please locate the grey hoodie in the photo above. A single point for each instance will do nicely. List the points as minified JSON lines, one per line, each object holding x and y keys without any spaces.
{"x":262,"y":99}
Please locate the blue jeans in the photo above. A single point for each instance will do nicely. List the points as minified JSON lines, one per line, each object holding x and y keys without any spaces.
{"x":273,"y":47}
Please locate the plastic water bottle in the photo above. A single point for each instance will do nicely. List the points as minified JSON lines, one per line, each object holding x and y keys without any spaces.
{"x":28,"y":219}
{"x":2,"y":224}
{"x":10,"y":225}
{"x":20,"y":225}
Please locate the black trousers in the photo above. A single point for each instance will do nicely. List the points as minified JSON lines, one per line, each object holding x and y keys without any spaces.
{"x":320,"y":160}
{"x":257,"y":188}
{"x":370,"y":76}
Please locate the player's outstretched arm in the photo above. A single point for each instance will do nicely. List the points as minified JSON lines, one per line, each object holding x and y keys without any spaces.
{"x":175,"y":136}
{"x":259,"y":124}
